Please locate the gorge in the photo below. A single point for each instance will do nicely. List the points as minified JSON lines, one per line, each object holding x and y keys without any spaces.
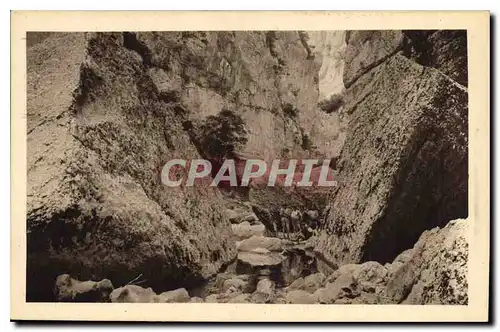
{"x":106,"y":111}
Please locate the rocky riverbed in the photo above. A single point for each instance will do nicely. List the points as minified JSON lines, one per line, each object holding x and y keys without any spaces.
{"x":277,"y":270}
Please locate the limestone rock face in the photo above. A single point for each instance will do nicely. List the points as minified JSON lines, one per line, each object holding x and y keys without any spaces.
{"x":107,"y":110}
{"x":329,"y":46}
{"x":99,"y":133}
{"x":403,"y":167}
{"x":266,"y":77}
{"x":366,"y":49}
{"x":436,"y":271}
{"x":445,"y":50}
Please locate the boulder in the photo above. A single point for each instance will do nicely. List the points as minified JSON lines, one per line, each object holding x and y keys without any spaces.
{"x":240,"y":298}
{"x":239,"y":283}
{"x":260,"y":258}
{"x":297,"y":284}
{"x":212,"y":298}
{"x":233,"y":216}
{"x":138,"y":294}
{"x":264,"y":292}
{"x":176,"y":296}
{"x":68,"y":289}
{"x":344,"y":286}
{"x":196,"y":300}
{"x":370,"y":272}
{"x":237,"y":215}
{"x":133,"y":294}
{"x":436,"y":271}
{"x":393,"y":268}
{"x":254,"y":242}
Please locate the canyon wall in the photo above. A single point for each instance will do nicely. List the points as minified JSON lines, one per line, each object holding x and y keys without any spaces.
{"x":107,"y":110}
{"x":403,"y":167}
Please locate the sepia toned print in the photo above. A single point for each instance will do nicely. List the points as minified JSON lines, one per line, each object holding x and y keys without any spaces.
{"x":259,"y":167}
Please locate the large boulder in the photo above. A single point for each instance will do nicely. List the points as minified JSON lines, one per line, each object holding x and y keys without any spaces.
{"x":68,"y":289}
{"x":300,"y":297}
{"x":403,"y":168}
{"x":436,"y":271}
{"x":313,"y":282}
{"x":133,"y":294}
{"x":264,"y":292}
{"x":263,"y":242}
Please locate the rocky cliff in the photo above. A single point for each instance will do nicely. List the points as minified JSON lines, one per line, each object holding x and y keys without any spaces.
{"x":107,"y":110}
{"x":403,"y":167}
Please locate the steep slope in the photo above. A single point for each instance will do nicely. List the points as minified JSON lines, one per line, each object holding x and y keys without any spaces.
{"x":403,"y":168}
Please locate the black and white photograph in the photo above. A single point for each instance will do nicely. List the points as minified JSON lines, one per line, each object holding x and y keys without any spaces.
{"x":277,"y":167}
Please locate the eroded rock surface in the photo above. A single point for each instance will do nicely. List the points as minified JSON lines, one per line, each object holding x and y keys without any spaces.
{"x":403,"y":167}
{"x":107,"y":110}
{"x":436,"y":270}
{"x":445,"y":50}
{"x":99,"y":132}
{"x":68,"y":289}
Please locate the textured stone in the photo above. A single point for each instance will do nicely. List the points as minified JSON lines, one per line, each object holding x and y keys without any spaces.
{"x":99,"y":133}
{"x":68,"y":289}
{"x":269,"y":243}
{"x":260,"y":259}
{"x":176,"y":296}
{"x":264,"y":292}
{"x":137,"y":294}
{"x":445,"y":50}
{"x":196,"y":300}
{"x":436,"y":272}
{"x":133,"y":294}
{"x":300,"y":297}
{"x":242,"y":284}
{"x":297,"y":284}
{"x":244,"y":230}
{"x":368,"y":48}
{"x":313,"y":282}
{"x":240,"y":298}
{"x":405,"y":154}
{"x":344,"y":286}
